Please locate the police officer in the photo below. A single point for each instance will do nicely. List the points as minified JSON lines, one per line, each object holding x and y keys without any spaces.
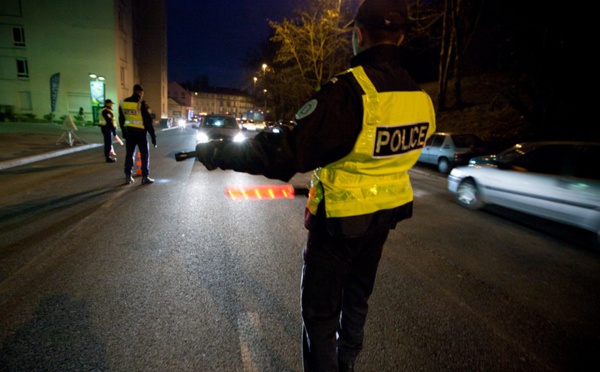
{"x":360,"y":133}
{"x":135,"y":121}
{"x":109,"y":129}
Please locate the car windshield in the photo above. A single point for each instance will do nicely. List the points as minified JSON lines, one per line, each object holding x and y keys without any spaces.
{"x":466,"y":140}
{"x":515,"y":151}
{"x":220,"y":122}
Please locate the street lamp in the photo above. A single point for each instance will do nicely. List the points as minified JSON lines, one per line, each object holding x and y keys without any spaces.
{"x":265,"y":94}
{"x":264,"y":67}
{"x":254,"y":91}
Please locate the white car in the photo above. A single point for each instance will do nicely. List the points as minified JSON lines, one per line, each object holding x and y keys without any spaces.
{"x":558,"y":180}
{"x":449,"y":150}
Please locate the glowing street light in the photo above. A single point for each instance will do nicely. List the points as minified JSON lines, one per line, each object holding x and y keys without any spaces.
{"x":265,"y":94}
{"x":254,"y":91}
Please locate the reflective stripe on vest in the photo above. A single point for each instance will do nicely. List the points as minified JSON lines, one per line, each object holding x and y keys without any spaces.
{"x":374,"y":176}
{"x":133,"y":114}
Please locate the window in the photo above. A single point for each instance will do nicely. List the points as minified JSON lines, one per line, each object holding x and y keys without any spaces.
{"x":22,"y":69}
{"x":18,"y":36}
{"x":121,"y":18}
{"x":122,"y":77}
{"x":25,"y":101}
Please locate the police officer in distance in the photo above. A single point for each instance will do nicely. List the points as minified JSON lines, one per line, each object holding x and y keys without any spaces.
{"x":108,"y":128}
{"x":360,"y":133}
{"x":135,"y":120}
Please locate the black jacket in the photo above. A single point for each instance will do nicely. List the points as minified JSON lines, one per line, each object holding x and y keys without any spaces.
{"x":329,"y":132}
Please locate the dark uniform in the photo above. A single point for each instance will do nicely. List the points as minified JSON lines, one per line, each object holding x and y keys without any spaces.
{"x":135,"y":121}
{"x":360,"y":133}
{"x":348,"y":222}
{"x":109,"y":129}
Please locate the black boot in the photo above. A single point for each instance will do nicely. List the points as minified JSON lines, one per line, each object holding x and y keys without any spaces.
{"x":129,"y":179}
{"x":146,"y":180}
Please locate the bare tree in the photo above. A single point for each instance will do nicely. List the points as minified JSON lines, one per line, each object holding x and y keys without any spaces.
{"x":312,"y":48}
{"x":452,"y":26}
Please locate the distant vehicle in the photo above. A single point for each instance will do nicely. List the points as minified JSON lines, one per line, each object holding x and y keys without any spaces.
{"x":448,"y":150}
{"x":219,"y":128}
{"x":556,"y":180}
{"x":252,"y":125}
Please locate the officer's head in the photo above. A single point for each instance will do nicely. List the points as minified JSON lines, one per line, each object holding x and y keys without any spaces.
{"x":378,"y":22}
{"x":108,"y":103}
{"x":137,"y":89}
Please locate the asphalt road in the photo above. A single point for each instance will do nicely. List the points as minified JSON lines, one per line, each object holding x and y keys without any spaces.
{"x":176,"y":276}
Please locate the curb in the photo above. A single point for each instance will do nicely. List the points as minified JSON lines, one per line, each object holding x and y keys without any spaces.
{"x":48,"y":155}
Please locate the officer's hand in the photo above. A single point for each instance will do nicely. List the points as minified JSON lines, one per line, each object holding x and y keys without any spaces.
{"x":205,"y":152}
{"x":154,"y":141}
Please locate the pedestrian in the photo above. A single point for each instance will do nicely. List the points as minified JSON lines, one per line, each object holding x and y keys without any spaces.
{"x":360,"y":133}
{"x":135,"y":121}
{"x":81,"y":116}
{"x":109,"y":129}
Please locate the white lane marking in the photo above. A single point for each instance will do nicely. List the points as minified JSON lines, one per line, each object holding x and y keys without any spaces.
{"x":249,"y":326}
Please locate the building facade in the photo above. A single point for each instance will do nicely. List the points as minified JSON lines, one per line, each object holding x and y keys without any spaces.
{"x":62,"y":55}
{"x":222,"y":101}
{"x":189,"y":105}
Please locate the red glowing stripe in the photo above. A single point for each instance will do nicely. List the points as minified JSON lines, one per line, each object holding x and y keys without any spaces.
{"x":260,"y":192}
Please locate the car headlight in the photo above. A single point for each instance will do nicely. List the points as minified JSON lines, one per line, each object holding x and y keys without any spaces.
{"x":181,"y":122}
{"x":239,"y":137}
{"x":201,"y":137}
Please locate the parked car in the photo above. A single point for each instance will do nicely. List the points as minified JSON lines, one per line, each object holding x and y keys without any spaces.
{"x":556,"y":180}
{"x":448,"y":150}
{"x":219,"y":128}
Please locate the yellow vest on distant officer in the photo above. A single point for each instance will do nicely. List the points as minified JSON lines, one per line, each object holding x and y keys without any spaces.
{"x":102,"y":120}
{"x":374,"y":176}
{"x":133,"y":114}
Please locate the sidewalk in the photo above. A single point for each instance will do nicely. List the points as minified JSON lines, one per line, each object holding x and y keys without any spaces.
{"x":23,"y":143}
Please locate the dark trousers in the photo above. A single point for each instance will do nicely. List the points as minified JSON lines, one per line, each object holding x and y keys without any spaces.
{"x":137,"y":138}
{"x":337,"y":280}
{"x":107,"y":133}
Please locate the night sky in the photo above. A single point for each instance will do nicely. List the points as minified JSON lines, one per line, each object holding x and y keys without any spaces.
{"x":214,"y":37}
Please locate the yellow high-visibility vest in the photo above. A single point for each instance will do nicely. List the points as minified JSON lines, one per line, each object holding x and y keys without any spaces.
{"x":374,"y":175}
{"x":101,"y":120}
{"x":133,"y":114}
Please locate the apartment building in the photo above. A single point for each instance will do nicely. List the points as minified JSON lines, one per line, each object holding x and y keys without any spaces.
{"x":62,"y":55}
{"x":187,"y":105}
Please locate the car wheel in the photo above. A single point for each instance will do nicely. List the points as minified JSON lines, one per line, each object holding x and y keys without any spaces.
{"x":467,"y":195}
{"x":443,"y":165}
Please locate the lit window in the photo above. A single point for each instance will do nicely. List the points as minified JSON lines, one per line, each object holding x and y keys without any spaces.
{"x":22,"y":69}
{"x":18,"y":34}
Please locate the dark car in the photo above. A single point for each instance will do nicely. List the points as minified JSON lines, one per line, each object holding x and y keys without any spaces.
{"x":448,"y":150}
{"x":219,"y":128}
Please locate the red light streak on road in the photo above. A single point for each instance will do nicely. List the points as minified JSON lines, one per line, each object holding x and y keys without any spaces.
{"x":260,"y":192}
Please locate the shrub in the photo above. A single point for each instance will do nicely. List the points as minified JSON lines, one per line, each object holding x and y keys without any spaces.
{"x":50,"y":117}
